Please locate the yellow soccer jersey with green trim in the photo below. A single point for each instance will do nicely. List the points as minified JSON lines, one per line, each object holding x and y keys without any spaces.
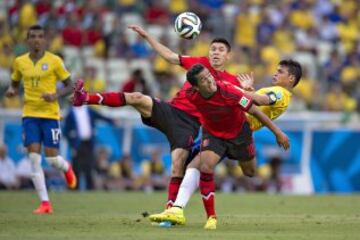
{"x":39,"y":77}
{"x":280,"y":98}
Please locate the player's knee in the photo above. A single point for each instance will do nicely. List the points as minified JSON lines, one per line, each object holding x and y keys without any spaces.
{"x":205,"y":167}
{"x":35,"y":160}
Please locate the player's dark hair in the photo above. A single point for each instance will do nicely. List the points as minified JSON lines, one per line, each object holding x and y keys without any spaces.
{"x":294,"y":68}
{"x":34,"y":27}
{"x":192,"y":73}
{"x":223,"y":41}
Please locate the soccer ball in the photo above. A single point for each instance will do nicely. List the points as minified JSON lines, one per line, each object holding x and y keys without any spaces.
{"x":188,"y":25}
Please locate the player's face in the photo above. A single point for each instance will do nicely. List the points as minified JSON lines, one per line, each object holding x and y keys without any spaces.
{"x":206,"y":83}
{"x":281,"y":77}
{"x":218,"y":55}
{"x":36,"y":40}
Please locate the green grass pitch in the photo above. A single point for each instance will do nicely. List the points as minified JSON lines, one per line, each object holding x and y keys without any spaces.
{"x":102,"y":215}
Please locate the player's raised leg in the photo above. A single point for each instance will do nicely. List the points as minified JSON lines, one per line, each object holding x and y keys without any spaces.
{"x":142,"y":103}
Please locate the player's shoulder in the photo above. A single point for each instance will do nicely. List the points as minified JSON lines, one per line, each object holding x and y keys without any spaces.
{"x":22,"y":57}
{"x":228,"y":86}
{"x":273,"y":89}
{"x":52,"y":56}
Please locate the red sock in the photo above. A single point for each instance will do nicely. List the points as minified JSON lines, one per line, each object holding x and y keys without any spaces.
{"x":111,"y":99}
{"x":173,"y":190}
{"x":207,"y":189}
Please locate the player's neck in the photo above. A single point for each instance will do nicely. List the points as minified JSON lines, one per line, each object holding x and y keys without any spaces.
{"x":206,"y":95}
{"x":219,"y":68}
{"x":36,"y":55}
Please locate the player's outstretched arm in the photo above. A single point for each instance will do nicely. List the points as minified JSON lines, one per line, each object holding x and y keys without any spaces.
{"x":164,"y":51}
{"x":281,"y":138}
{"x":13,"y":89}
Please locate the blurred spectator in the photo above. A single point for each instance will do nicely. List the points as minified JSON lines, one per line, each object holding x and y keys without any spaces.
{"x":123,"y":176}
{"x":230,"y":177}
{"x":136,"y":83}
{"x":337,"y":100}
{"x":24,"y":173}
{"x":102,"y":168}
{"x":269,"y":178}
{"x":91,"y":81}
{"x":73,"y":33}
{"x":153,"y":173}
{"x":7,"y":170}
{"x":79,"y":129}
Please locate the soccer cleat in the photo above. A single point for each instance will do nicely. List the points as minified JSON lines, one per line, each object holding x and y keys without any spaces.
{"x":175,"y":215}
{"x":44,"y":208}
{"x":70,"y":177}
{"x":211,"y":223}
{"x":80,"y":95}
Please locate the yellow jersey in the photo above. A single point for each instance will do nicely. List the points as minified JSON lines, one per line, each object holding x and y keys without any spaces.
{"x":38,"y":78}
{"x":280,"y":98}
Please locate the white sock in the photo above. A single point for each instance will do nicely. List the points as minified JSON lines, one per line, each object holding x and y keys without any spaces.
{"x":188,"y":186}
{"x":38,"y":177}
{"x":58,"y":162}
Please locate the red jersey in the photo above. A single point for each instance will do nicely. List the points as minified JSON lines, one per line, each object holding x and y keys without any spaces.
{"x":223,"y":114}
{"x":180,"y":101}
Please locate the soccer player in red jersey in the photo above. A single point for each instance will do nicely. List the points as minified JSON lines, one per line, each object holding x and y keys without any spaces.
{"x":226,"y":132}
{"x":178,"y":119}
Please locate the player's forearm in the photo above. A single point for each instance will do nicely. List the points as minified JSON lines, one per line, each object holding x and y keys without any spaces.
{"x":264,"y":120}
{"x":164,"y":52}
{"x":67,"y":90}
{"x":259,"y":99}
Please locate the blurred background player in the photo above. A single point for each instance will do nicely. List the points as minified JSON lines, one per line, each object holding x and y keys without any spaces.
{"x":79,"y":130}
{"x":40,"y":70}
{"x":220,"y":102}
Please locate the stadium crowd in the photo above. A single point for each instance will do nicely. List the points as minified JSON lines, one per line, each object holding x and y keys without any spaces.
{"x":93,"y":39}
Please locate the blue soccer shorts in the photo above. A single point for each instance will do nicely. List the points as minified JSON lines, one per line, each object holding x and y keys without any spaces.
{"x":41,"y":130}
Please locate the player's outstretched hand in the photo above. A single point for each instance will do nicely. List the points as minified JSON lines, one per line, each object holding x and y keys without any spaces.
{"x":246,"y":81}
{"x":138,"y":29}
{"x":283,"y":140}
{"x":49,"y":97}
{"x":11,"y":92}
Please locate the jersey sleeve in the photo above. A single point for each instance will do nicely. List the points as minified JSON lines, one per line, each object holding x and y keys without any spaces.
{"x":60,"y":70}
{"x":187,"y":61}
{"x":16,"y":74}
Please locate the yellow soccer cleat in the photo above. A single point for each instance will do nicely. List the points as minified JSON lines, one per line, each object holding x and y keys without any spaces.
{"x":175,"y":215}
{"x":211,"y":223}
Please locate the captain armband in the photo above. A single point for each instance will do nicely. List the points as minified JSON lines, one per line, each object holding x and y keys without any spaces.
{"x":272,"y":98}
